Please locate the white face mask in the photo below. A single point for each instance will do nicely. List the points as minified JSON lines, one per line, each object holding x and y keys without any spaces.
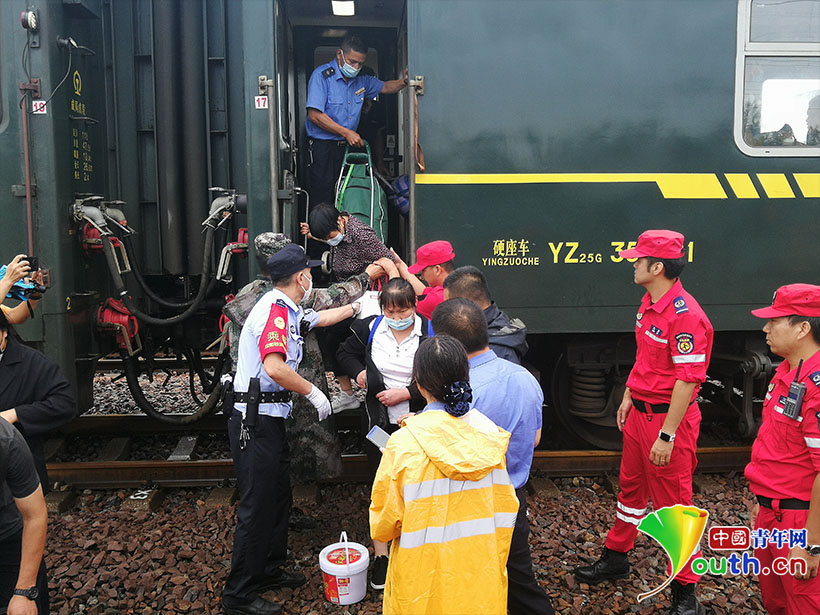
{"x":400,"y":324}
{"x":335,"y":241}
{"x":348,"y":70}
{"x":308,"y":290}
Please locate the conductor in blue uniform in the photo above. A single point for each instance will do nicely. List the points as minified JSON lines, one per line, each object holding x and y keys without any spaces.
{"x":336,"y":91}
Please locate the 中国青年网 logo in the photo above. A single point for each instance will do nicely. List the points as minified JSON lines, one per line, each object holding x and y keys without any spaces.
{"x":678,"y":529}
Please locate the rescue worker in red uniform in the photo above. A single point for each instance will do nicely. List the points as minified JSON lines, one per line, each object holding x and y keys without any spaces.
{"x":659,"y":417}
{"x":784,"y":473}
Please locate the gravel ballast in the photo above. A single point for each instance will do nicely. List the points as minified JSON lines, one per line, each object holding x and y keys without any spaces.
{"x":104,"y":559}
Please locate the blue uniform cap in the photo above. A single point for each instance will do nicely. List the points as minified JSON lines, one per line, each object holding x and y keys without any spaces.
{"x":289,"y":260}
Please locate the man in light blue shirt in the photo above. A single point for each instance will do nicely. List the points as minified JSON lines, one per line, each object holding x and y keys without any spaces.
{"x":336,"y":91}
{"x":510,"y":396}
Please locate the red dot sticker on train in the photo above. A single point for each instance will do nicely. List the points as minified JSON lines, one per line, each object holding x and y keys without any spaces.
{"x":339,"y":557}
{"x":686,"y":342}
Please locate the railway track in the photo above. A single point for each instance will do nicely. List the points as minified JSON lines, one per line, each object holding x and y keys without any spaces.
{"x":111,"y":470}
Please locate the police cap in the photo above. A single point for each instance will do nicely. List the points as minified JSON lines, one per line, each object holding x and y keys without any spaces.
{"x":289,"y":260}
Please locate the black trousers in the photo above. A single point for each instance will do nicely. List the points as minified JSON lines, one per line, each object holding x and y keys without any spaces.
{"x":261,"y":538}
{"x":324,"y":164}
{"x":330,"y":338}
{"x":524,"y":595}
{"x":10,"y":569}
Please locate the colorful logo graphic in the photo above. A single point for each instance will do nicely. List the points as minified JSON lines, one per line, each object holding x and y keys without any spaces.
{"x":678,"y":529}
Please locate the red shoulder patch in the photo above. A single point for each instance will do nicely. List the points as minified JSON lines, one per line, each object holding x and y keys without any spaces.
{"x":275,"y":334}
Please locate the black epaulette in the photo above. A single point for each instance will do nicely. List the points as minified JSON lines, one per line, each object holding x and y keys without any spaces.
{"x":328,"y":72}
{"x":281,"y":303}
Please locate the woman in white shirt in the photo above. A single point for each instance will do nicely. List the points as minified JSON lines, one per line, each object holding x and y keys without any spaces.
{"x":379,"y":356}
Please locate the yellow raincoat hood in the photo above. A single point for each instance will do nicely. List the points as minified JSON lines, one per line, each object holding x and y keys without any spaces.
{"x":460,"y":451}
{"x":443,"y":495}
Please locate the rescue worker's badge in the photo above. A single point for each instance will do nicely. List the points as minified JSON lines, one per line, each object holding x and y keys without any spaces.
{"x":279,"y":322}
{"x":685,"y":342}
{"x":639,"y":315}
{"x":771,"y":387}
{"x":680,"y":305}
{"x":817,"y":414}
{"x":815,"y":378}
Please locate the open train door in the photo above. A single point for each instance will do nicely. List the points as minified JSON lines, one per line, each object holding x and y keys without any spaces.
{"x":313,"y":35}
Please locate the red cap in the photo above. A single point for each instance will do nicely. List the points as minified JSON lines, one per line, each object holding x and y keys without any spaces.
{"x":794,"y":299}
{"x":433,"y":253}
{"x":659,"y":244}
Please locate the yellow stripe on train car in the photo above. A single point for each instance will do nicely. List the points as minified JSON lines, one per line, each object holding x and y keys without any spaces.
{"x":671,"y":185}
{"x":809,"y":184}
{"x":776,"y":185}
{"x":742,"y":185}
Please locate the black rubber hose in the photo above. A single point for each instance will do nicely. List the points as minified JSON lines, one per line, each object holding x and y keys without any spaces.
{"x":131,"y":368}
{"x":122,"y":292}
{"x":129,"y":249}
{"x":195,"y":359}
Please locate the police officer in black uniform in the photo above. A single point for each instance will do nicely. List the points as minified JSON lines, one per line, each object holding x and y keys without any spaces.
{"x":270,"y":348}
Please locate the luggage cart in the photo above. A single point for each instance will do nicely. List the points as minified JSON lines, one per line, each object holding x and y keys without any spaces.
{"x":359,"y":193}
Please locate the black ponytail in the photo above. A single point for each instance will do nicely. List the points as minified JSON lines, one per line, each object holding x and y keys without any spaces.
{"x":441,"y":368}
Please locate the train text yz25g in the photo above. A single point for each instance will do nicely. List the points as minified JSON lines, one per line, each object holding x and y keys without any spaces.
{"x":571,"y":252}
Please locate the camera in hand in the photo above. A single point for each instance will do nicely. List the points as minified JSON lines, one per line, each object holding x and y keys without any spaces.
{"x":33,"y":262}
{"x":34,"y":290}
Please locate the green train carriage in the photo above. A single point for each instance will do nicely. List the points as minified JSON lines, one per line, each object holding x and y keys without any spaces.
{"x":553,"y":133}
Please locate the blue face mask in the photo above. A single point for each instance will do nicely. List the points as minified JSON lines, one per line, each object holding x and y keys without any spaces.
{"x":400,"y":324}
{"x":335,"y":241}
{"x":348,"y":70}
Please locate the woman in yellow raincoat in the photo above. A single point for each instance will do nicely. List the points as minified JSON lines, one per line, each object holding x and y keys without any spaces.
{"x":443,"y":496}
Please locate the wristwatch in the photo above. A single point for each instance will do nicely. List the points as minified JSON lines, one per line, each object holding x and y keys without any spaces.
{"x":813,"y":550}
{"x":357,"y":307}
{"x":666,"y":437}
{"x":32,"y":593}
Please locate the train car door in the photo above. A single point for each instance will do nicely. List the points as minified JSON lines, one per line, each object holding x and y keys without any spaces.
{"x":315,"y":34}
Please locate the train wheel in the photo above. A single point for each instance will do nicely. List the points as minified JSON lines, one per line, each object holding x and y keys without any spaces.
{"x":586,"y":400}
{"x":171,"y":411}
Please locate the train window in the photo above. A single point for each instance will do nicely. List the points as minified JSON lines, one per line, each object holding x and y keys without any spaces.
{"x":781,"y":102}
{"x":777,"y":89}
{"x":778,"y":21}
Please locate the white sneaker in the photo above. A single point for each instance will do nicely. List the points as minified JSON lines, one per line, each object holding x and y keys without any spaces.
{"x":344,"y":401}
